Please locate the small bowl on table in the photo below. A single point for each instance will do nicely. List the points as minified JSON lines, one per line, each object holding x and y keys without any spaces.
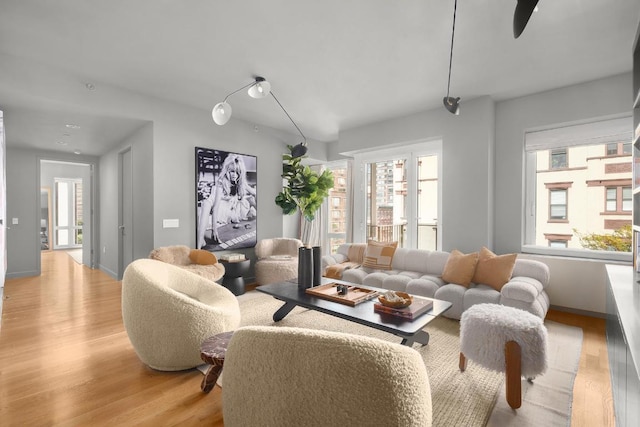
{"x":405,"y":302}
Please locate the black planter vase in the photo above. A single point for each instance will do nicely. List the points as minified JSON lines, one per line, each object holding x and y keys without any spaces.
{"x":317,"y":265}
{"x":305,"y":267}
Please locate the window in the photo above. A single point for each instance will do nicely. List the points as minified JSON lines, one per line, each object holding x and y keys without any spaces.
{"x":618,"y":148}
{"x":559,"y":158}
{"x":612,"y":199}
{"x":558,"y":204}
{"x":339,"y":212}
{"x":570,"y":208}
{"x":67,"y":216}
{"x":557,"y":243}
{"x":618,"y":199}
{"x":397,"y":196}
{"x":627,"y":201}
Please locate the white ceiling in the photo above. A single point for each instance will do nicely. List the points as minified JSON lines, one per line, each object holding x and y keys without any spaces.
{"x":334,"y":64}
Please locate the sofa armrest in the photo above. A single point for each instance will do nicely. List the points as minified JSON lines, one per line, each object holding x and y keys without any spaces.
{"x":333,"y":259}
{"x":522,"y":288}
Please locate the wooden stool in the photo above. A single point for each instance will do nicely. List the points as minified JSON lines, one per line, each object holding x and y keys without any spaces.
{"x":504,"y":339}
{"x":213,"y":351}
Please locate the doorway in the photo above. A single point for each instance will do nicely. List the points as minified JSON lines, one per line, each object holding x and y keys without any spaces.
{"x":66,"y":214}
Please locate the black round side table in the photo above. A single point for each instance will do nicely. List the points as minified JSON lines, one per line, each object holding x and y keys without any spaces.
{"x":233,"y":275}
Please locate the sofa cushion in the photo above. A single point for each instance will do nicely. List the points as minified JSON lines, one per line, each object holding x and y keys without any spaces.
{"x":379,"y":255}
{"x":460,"y":268}
{"x":524,"y":289}
{"x":494,"y":270}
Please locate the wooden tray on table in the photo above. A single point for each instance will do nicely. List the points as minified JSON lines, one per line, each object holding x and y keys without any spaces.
{"x":354,"y":296}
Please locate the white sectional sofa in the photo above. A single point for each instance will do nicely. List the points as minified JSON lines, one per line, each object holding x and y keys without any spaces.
{"x":419,"y":272}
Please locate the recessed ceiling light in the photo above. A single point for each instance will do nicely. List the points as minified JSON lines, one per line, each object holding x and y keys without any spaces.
{"x":72,"y":126}
{"x":62,"y":142}
{"x":90,"y":86}
{"x":77,"y":152}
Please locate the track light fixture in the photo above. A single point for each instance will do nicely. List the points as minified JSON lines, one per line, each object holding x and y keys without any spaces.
{"x":450,"y":103}
{"x":523,"y":12}
{"x":259,"y":88}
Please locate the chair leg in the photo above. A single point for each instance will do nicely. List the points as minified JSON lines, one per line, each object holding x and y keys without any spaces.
{"x":463,"y":362}
{"x":513,"y":372}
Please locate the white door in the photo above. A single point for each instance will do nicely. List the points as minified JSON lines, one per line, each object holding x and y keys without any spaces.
{"x":67,"y":213}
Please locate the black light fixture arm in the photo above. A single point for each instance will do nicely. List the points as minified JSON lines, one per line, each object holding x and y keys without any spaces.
{"x":453,"y":32}
{"x":294,"y":123}
{"x":238,"y":90}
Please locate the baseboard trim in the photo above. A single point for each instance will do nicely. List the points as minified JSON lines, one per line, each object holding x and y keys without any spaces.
{"x":579,"y":312}
{"x":107,"y":271}
{"x":22,"y":274}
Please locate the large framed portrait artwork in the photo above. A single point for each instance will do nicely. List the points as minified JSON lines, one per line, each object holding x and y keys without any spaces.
{"x":226,"y":201}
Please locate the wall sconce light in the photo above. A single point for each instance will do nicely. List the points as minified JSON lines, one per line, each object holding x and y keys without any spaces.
{"x":259,"y":88}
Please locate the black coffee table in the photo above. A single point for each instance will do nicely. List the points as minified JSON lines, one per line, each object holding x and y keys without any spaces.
{"x":409,"y":330}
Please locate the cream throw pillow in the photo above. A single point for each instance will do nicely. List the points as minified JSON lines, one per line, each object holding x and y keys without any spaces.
{"x":460,"y":268}
{"x":379,"y":255}
{"x":494,"y":270}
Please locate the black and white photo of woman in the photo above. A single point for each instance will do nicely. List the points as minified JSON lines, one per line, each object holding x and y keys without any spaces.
{"x":227,"y":198}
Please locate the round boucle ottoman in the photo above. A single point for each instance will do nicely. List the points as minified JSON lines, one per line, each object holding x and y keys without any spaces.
{"x":504,"y":339}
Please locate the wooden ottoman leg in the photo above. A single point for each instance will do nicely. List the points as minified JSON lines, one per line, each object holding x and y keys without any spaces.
{"x":463,"y":362}
{"x":513,"y":372}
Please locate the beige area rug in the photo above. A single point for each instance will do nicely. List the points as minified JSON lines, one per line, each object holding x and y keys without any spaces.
{"x":548,"y":400}
{"x":459,"y":399}
{"x":76,"y":254}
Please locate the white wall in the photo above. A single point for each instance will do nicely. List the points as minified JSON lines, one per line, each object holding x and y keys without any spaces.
{"x":177,"y":130}
{"x":23,"y":201}
{"x":467,"y":158}
{"x":483,"y":171}
{"x":575,"y":283}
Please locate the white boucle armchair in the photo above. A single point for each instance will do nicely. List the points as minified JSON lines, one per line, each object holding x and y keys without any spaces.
{"x":277,"y":260}
{"x":291,"y":377}
{"x":168,"y":312}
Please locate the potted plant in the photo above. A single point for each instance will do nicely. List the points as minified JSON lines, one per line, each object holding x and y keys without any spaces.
{"x":305,"y":189}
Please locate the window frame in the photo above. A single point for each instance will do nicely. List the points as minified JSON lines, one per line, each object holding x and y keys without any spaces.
{"x":410,"y":153}
{"x":564,"y":191}
{"x":596,"y":131}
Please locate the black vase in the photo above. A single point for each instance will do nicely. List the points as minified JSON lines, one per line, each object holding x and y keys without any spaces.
{"x":305,"y":267}
{"x":317,"y":265}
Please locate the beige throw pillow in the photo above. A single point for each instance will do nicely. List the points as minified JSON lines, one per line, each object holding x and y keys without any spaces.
{"x":494,"y":270}
{"x":379,"y":255}
{"x":460,"y":268}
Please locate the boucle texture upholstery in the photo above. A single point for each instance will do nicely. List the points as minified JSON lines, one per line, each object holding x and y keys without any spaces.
{"x":277,"y":260}
{"x":485,"y":328}
{"x":419,"y":272}
{"x":185,"y":257}
{"x":286,"y":377}
{"x":168,"y":312}
{"x":347,"y":256}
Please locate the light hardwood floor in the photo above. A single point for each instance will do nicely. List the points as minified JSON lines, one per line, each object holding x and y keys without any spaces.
{"x":65,"y":359}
